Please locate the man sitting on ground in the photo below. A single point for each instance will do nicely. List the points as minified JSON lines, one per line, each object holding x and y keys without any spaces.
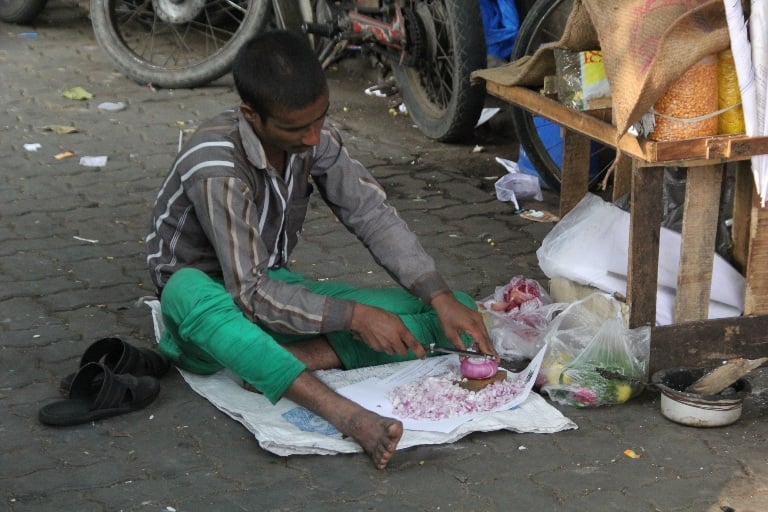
{"x":226,"y":220}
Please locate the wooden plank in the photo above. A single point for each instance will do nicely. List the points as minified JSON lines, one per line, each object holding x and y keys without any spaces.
{"x":732,"y":147}
{"x":622,"y":177}
{"x":598,"y":104}
{"x":678,"y":150}
{"x":575,"y":171}
{"x":756,"y":295}
{"x":644,"y":224}
{"x":575,"y":120}
{"x":697,"y":247}
{"x":736,"y":147}
{"x":715,"y":147}
{"x":708,"y":342}
{"x":743,"y":191}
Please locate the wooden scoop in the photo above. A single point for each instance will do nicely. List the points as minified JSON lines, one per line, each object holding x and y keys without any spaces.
{"x":713,"y":382}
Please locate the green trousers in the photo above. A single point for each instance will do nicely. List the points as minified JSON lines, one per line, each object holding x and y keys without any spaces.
{"x":206,"y":331}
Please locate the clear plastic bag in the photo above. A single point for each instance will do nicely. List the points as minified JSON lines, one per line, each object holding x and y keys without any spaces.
{"x":591,"y":359}
{"x":516,"y":315}
{"x":581,"y":77}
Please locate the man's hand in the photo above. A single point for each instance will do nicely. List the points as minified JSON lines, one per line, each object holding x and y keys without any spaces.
{"x":457,"y":319}
{"x":384,"y":331}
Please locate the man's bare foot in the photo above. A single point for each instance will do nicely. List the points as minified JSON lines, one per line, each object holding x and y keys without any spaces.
{"x":376,"y":434}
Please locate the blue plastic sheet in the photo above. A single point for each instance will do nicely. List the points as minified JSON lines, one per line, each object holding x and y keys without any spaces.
{"x":501,"y":22}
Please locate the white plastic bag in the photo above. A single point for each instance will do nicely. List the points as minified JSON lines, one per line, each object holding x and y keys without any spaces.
{"x":590,"y":245}
{"x":516,"y":184}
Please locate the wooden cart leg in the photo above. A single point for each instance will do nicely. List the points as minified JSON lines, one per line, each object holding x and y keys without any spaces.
{"x":697,"y":246}
{"x":743,"y":192}
{"x":622,"y":176}
{"x":574,"y":175}
{"x":757,"y":263}
{"x":644,"y":225}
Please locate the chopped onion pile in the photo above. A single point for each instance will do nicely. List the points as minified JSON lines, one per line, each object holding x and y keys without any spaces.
{"x":438,"y":398}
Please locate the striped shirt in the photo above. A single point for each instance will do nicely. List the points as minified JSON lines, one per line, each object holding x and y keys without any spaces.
{"x":224,"y":210}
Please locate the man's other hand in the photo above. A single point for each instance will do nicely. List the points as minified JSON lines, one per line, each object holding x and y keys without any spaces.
{"x":384,"y":331}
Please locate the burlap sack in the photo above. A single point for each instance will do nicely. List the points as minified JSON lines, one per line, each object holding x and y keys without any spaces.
{"x":646,"y":47}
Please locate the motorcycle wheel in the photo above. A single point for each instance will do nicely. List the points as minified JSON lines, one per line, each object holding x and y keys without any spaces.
{"x":540,"y":137}
{"x":446,"y":43}
{"x":20,"y":11}
{"x":176,"y":44}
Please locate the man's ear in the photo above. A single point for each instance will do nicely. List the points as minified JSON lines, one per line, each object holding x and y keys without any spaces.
{"x":251,"y":116}
{"x":248,"y":112}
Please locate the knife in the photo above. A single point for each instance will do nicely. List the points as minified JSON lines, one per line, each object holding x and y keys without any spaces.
{"x":513,"y":365}
{"x":444,"y":350}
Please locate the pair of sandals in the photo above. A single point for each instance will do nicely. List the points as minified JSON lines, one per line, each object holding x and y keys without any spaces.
{"x":114,"y":378}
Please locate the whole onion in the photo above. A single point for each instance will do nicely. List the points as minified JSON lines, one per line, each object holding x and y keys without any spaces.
{"x":478,"y":367}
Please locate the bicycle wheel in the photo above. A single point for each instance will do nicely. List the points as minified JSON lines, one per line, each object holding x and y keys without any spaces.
{"x":176,"y":43}
{"x":539,"y":137}
{"x":446,"y":43}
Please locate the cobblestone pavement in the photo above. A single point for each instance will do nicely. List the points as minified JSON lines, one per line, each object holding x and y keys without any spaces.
{"x":72,"y":269}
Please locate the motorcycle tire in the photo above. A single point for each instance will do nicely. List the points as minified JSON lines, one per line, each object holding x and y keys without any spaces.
{"x":176,"y":44}
{"x":21,"y":12}
{"x":540,"y":138}
{"x":446,"y":43}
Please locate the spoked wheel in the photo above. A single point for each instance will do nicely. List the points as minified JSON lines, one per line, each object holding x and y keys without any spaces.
{"x":176,"y":43}
{"x":539,"y":137}
{"x":445,"y":44}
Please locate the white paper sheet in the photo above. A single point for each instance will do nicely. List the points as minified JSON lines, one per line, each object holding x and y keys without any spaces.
{"x":373,"y":393}
{"x":758,"y":32}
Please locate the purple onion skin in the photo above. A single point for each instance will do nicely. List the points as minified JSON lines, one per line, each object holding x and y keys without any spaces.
{"x":478,"y":367}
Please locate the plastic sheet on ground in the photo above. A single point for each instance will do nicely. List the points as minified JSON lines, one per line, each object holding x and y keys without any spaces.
{"x":288,"y":429}
{"x":590,"y":246}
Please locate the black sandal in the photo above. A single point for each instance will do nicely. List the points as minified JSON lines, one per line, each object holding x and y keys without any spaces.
{"x":121,"y":357}
{"x":98,"y":393}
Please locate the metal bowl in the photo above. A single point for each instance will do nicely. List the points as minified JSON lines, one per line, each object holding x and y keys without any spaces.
{"x":693,"y":409}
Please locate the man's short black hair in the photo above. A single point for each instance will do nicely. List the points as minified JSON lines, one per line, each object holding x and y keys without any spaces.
{"x":278,"y":69}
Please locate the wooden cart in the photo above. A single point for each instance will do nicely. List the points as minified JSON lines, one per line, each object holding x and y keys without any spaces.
{"x":692,"y":340}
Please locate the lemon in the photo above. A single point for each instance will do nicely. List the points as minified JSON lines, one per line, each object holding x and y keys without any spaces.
{"x":623,"y":392}
{"x":555,"y":375}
